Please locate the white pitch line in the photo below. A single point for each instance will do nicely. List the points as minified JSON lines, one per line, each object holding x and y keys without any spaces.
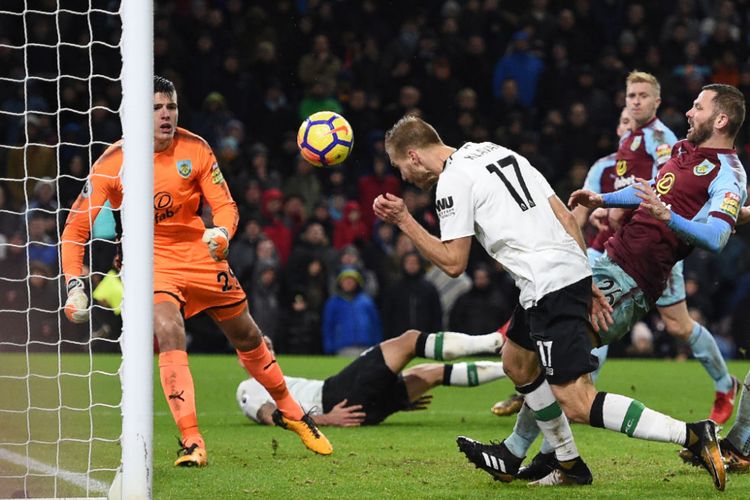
{"x":78,"y":479}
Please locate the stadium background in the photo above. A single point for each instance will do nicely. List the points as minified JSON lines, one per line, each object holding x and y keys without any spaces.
{"x":545,"y":78}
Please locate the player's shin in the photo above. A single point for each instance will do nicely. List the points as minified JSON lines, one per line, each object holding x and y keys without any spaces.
{"x":550,"y":418}
{"x":706,"y":351}
{"x":739,"y":434}
{"x":524,"y":432}
{"x":631,"y":417}
{"x":452,"y":345}
{"x":177,"y":384}
{"x":262,"y":366}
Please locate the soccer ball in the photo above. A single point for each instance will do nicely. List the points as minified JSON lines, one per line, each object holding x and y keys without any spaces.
{"x":325,"y":138}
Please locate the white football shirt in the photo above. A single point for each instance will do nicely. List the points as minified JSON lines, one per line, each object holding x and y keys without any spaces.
{"x":493,"y":193}
{"x":308,"y":393}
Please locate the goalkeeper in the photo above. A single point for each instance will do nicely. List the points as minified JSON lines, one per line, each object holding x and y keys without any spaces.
{"x":191,"y":274}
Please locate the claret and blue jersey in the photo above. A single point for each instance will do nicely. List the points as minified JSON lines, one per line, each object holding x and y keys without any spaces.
{"x":699,"y":185}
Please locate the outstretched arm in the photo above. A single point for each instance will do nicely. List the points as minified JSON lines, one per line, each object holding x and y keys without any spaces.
{"x":711,"y":235}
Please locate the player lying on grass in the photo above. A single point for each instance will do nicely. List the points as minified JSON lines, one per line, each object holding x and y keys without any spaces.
{"x":376,"y":385}
{"x":488,"y":191}
{"x":191,"y":274}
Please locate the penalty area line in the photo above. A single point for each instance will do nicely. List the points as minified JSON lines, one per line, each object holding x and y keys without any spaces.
{"x":75,"y":478}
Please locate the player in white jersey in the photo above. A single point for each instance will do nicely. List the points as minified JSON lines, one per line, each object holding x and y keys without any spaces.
{"x":376,"y":385}
{"x":491,"y":192}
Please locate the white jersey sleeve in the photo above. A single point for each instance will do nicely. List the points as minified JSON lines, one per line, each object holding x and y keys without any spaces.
{"x":453,"y":204}
{"x":497,"y":195}
{"x":308,"y":393}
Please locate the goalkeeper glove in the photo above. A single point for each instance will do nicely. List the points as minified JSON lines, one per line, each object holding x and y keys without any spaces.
{"x":217,"y":239}
{"x":77,"y":305}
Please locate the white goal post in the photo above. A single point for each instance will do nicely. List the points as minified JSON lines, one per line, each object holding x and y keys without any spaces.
{"x":76,"y":418}
{"x":138,"y":247}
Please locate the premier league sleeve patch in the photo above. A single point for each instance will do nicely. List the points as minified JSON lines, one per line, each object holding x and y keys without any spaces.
{"x":216,"y":176}
{"x":663,"y":152}
{"x":731,"y":205}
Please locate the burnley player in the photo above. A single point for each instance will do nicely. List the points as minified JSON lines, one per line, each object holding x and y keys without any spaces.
{"x":641,"y":153}
{"x":191,"y":274}
{"x":491,"y":193}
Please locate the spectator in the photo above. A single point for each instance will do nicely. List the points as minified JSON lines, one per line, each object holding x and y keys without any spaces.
{"x":412,"y":302}
{"x":300,"y":331}
{"x":273,"y":224}
{"x":351,"y":229}
{"x":381,"y":181}
{"x":482,"y":309}
{"x":520,"y":65}
{"x":320,"y":64}
{"x":351,"y":322}
{"x":264,"y":298}
{"x":304,"y":183}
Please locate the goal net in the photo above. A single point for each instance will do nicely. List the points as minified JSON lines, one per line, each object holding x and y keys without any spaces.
{"x":62,"y":402}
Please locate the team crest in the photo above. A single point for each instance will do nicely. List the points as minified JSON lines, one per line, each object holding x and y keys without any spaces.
{"x":636,"y":143}
{"x":664,"y":184}
{"x":621,"y":167}
{"x":703,"y":168}
{"x":184,"y":168}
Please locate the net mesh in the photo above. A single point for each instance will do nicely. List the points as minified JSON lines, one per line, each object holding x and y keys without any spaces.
{"x":60,"y":417}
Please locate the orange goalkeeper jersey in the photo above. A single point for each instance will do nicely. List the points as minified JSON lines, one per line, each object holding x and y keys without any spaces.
{"x":184,"y":174}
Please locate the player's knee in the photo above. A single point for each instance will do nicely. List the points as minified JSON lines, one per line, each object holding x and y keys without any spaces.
{"x":409,"y":339}
{"x":680,"y":328}
{"x":521,"y":371}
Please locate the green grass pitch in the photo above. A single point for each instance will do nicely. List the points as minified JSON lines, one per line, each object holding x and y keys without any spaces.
{"x":411,"y":455}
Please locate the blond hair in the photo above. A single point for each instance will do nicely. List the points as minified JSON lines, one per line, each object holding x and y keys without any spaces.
{"x":643,"y":77}
{"x":410,"y":132}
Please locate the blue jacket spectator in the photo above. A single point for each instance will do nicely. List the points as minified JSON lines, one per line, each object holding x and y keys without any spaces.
{"x":351,"y":322}
{"x":519,"y":65}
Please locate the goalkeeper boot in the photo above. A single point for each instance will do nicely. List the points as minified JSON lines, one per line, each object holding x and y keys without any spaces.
{"x":191,"y":456}
{"x":508,"y":407}
{"x":724,"y":403}
{"x":541,"y":465}
{"x":704,"y":445}
{"x":571,"y":472}
{"x":494,"y":458}
{"x":306,"y":430}
{"x":734,"y":459}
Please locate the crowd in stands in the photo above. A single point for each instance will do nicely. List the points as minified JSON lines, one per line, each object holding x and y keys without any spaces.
{"x":543,"y":77}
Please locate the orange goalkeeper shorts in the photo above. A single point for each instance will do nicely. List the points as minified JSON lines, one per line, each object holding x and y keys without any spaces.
{"x":189,"y":277}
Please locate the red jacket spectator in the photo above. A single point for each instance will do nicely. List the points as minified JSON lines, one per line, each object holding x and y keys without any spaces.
{"x":371,"y":186}
{"x":273,"y":225}
{"x":351,"y":227}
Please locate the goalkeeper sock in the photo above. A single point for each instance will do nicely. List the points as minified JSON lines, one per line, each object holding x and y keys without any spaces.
{"x":739,"y":434}
{"x":550,"y":418}
{"x":707,"y":352}
{"x":262,"y":366}
{"x":177,"y":384}
{"x":631,"y":417}
{"x":472,"y":374}
{"x":452,"y":345}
